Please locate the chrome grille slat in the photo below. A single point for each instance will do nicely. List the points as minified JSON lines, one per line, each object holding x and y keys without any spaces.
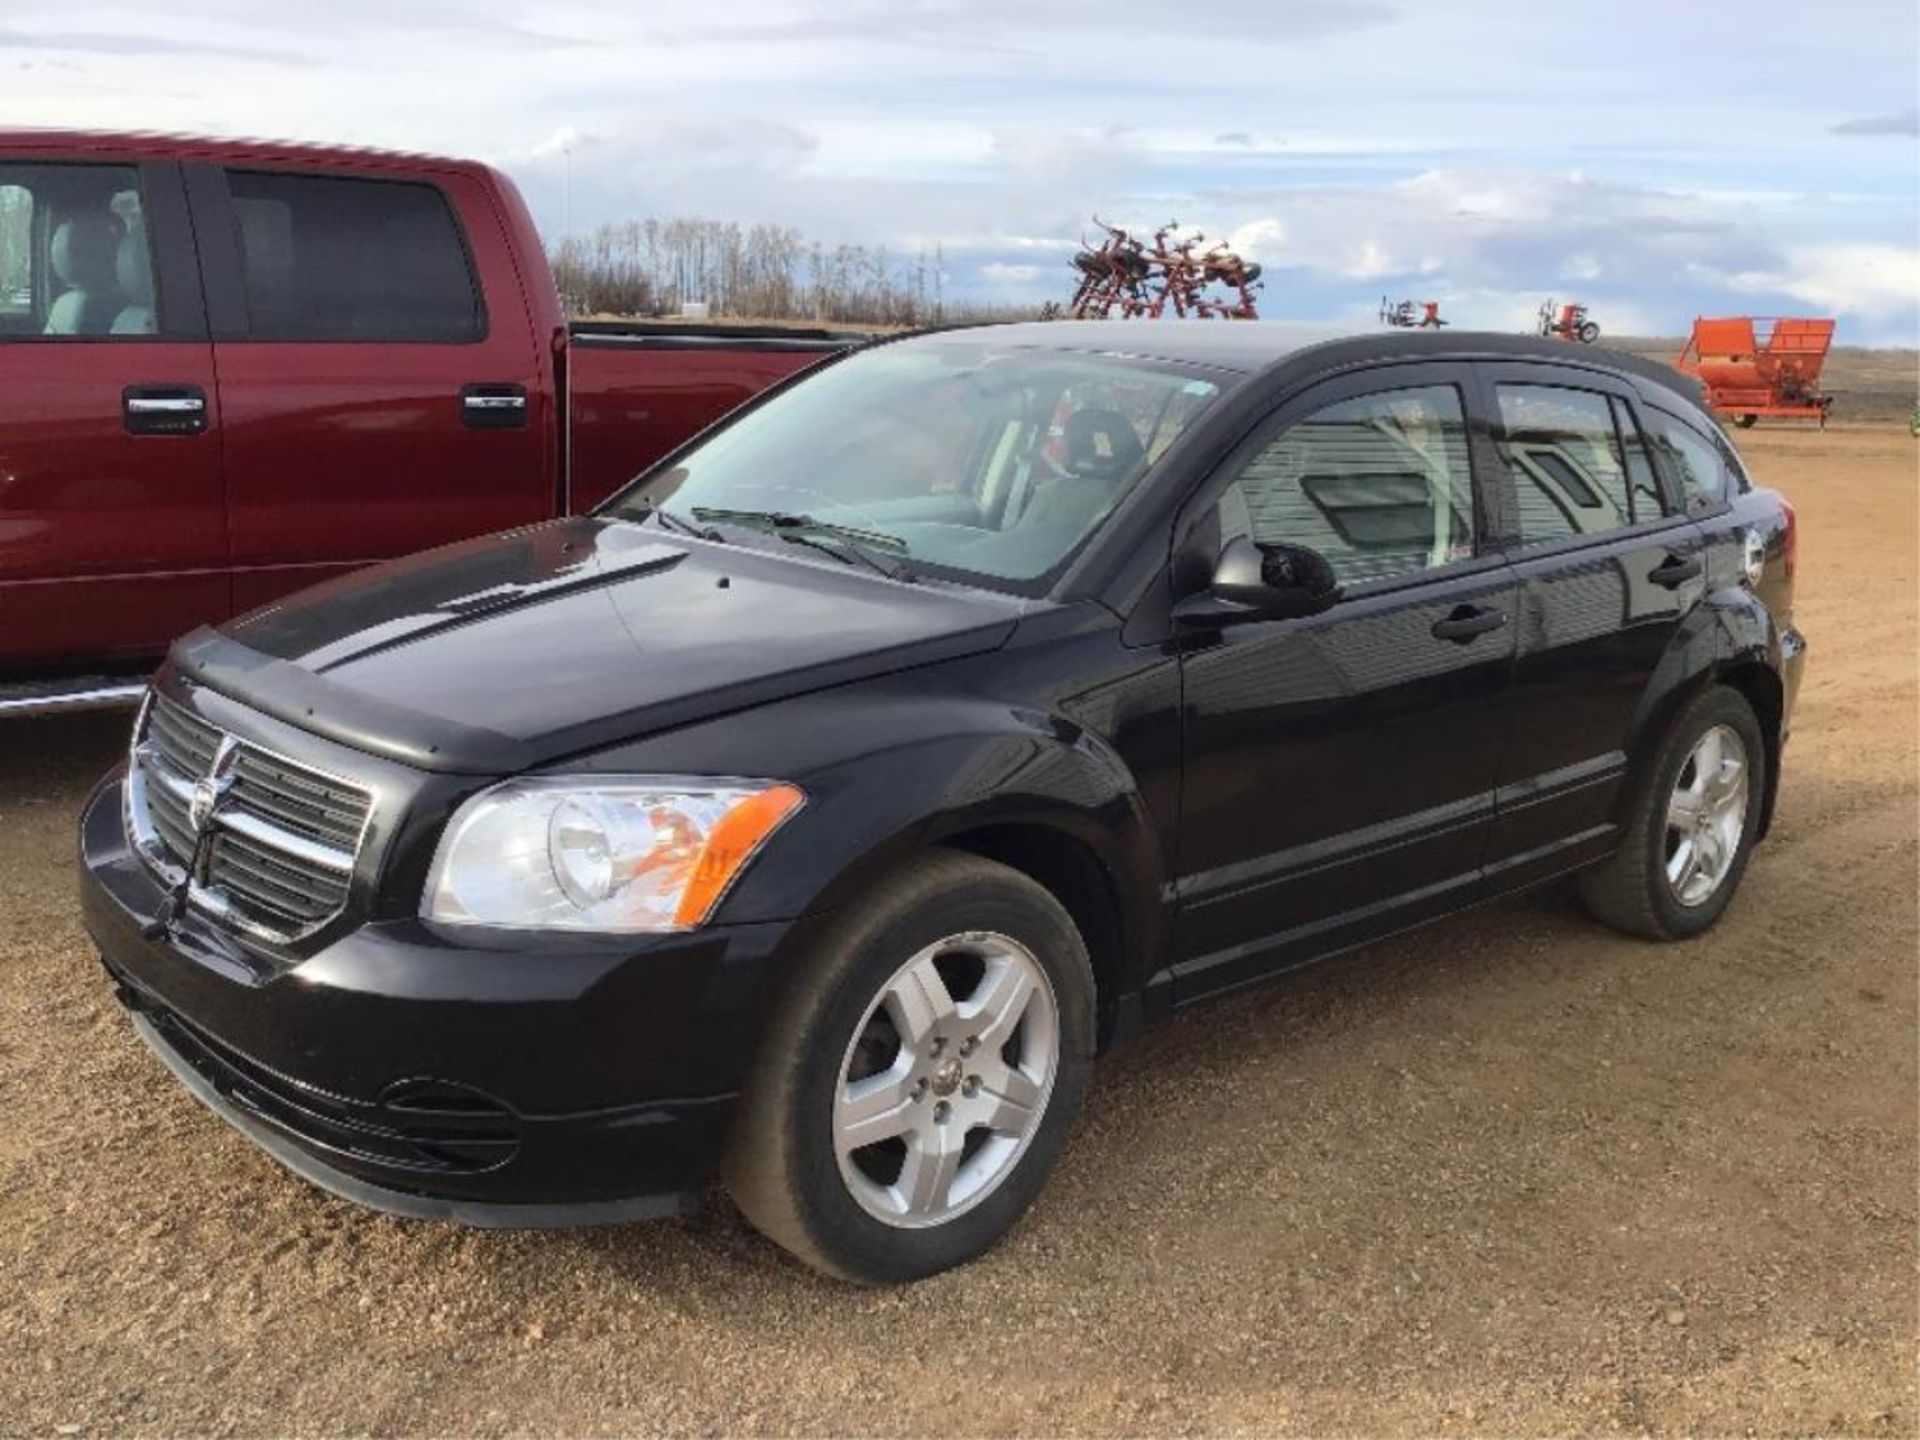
{"x":277,"y":888}
{"x":284,"y":837}
{"x":307,"y":805}
{"x":183,"y":738}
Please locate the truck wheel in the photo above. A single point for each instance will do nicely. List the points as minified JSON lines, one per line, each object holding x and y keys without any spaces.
{"x":918,"y":1082}
{"x":1691,"y":823}
{"x":1745,"y":422}
{"x":1589,"y":332}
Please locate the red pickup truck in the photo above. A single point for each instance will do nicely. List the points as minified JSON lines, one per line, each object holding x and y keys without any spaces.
{"x":232,"y":369}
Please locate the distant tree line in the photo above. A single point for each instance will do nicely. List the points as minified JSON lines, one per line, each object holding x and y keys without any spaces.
{"x":771,"y":272}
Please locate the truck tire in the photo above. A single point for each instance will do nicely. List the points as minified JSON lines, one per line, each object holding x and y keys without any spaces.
{"x":1589,"y":332}
{"x":920,"y":1076}
{"x":1692,"y":817}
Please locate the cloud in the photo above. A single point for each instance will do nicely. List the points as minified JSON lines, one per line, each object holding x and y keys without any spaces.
{"x":137,"y":43}
{"x":1864,"y":280}
{"x":1352,"y":146}
{"x":1899,"y":122}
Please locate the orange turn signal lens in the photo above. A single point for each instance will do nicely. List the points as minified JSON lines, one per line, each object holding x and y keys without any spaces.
{"x":733,"y":841}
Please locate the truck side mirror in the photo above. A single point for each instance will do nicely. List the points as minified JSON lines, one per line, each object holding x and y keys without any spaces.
{"x":1262,"y":582}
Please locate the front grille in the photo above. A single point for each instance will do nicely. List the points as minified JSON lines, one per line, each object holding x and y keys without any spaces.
{"x":275,"y":849}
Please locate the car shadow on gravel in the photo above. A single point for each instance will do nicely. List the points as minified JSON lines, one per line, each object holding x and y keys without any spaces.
{"x":1322,"y":1007}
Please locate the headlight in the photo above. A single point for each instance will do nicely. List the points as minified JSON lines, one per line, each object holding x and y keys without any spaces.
{"x":614,"y":854}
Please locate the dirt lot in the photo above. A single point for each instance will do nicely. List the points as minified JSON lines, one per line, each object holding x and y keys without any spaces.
{"x":1514,"y":1176}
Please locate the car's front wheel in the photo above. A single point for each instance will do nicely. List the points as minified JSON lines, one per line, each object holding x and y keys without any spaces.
{"x":1692,"y":820}
{"x":921,"y":1076}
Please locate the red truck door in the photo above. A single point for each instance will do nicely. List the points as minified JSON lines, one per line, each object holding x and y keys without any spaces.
{"x":381,"y":384}
{"x":112,"y":523}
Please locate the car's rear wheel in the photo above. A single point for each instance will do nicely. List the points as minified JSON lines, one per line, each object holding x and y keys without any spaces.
{"x":1692,"y":820}
{"x":921,"y":1076}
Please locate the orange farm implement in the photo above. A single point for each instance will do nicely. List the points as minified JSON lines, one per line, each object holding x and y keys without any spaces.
{"x":1766,"y":366}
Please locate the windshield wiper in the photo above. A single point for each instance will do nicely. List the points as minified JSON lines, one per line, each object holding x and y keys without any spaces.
{"x":672,"y":521}
{"x":857,"y":544}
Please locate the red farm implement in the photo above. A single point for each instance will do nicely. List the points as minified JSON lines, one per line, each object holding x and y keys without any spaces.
{"x":1411,"y":315}
{"x":1568,"y":322}
{"x":1765,"y":366}
{"x":1126,"y":276}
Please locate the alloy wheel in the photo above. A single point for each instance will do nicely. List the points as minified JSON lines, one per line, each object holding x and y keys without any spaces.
{"x":1707,"y":815}
{"x":946,"y":1079}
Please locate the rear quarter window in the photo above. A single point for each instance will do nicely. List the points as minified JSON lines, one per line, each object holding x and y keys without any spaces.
{"x":330,"y":258}
{"x":1709,"y":476}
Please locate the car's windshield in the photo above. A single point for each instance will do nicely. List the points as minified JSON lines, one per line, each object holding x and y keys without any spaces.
{"x":952,"y":454}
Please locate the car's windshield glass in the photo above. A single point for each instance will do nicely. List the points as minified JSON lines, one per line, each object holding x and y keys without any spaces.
{"x":949,"y":454}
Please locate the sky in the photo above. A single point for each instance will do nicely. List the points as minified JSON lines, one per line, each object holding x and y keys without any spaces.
{"x":1655,"y":159}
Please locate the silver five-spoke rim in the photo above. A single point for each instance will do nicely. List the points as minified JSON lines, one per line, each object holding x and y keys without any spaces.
{"x":1707,"y":815}
{"x":946,"y":1079}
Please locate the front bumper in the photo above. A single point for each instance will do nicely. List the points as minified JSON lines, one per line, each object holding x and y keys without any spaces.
{"x":500,"y":1081}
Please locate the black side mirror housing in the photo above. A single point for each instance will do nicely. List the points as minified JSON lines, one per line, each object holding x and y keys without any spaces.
{"x":1263,"y":582}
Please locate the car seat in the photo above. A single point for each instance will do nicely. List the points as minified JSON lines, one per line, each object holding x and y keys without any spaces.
{"x":85,"y":252}
{"x":134,"y":271}
{"x":1103,"y":452}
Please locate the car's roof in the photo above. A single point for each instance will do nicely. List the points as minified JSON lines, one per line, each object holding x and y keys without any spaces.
{"x":1250,"y":346}
{"x":1244,"y":346}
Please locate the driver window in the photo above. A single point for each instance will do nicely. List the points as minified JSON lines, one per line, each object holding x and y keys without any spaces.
{"x":1379,"y":484}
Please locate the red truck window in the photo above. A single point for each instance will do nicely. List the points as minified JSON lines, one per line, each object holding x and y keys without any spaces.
{"x":74,"y":259}
{"x":324,"y":258}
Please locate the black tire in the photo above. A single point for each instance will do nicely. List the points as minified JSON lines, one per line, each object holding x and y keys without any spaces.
{"x":781,"y":1165}
{"x":1630,"y":890}
{"x":1745,"y":422}
{"x":1589,"y":332}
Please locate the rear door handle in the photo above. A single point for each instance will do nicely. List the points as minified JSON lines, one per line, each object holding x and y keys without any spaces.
{"x":494,"y":407}
{"x":164,"y":409}
{"x":1467,"y":622}
{"x":1675,"y":571}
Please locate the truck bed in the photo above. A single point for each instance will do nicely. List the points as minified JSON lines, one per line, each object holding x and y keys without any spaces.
{"x":638,"y":389}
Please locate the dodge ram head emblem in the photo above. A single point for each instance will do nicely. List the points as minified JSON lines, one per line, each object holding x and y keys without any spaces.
{"x":200,"y":807}
{"x":207,"y":791}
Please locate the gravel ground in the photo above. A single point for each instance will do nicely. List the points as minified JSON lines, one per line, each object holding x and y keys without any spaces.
{"x":1516,"y":1175}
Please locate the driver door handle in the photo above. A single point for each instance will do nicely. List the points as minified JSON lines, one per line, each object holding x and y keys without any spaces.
{"x":1467,"y":622}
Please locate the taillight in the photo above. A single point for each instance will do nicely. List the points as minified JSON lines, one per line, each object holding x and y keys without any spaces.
{"x":1790,"y":546}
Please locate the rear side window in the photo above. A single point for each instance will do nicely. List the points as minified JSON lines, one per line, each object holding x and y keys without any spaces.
{"x":1569,"y":468}
{"x":74,"y":258}
{"x":1378,"y":484}
{"x":1706,"y":479}
{"x":323,"y":258}
{"x":1642,"y":483}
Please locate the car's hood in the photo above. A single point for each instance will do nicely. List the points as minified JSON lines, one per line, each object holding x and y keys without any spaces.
{"x":502,"y":653}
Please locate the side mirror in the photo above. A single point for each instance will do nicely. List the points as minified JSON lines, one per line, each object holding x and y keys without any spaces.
{"x":1262,"y":582}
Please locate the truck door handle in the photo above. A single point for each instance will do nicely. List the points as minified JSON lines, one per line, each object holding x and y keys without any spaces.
{"x":164,"y":409}
{"x":1675,"y":571}
{"x":1466,"y":622}
{"x":494,"y":407}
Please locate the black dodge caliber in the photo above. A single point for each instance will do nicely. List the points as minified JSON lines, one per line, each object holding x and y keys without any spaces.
{"x":809,"y":816}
